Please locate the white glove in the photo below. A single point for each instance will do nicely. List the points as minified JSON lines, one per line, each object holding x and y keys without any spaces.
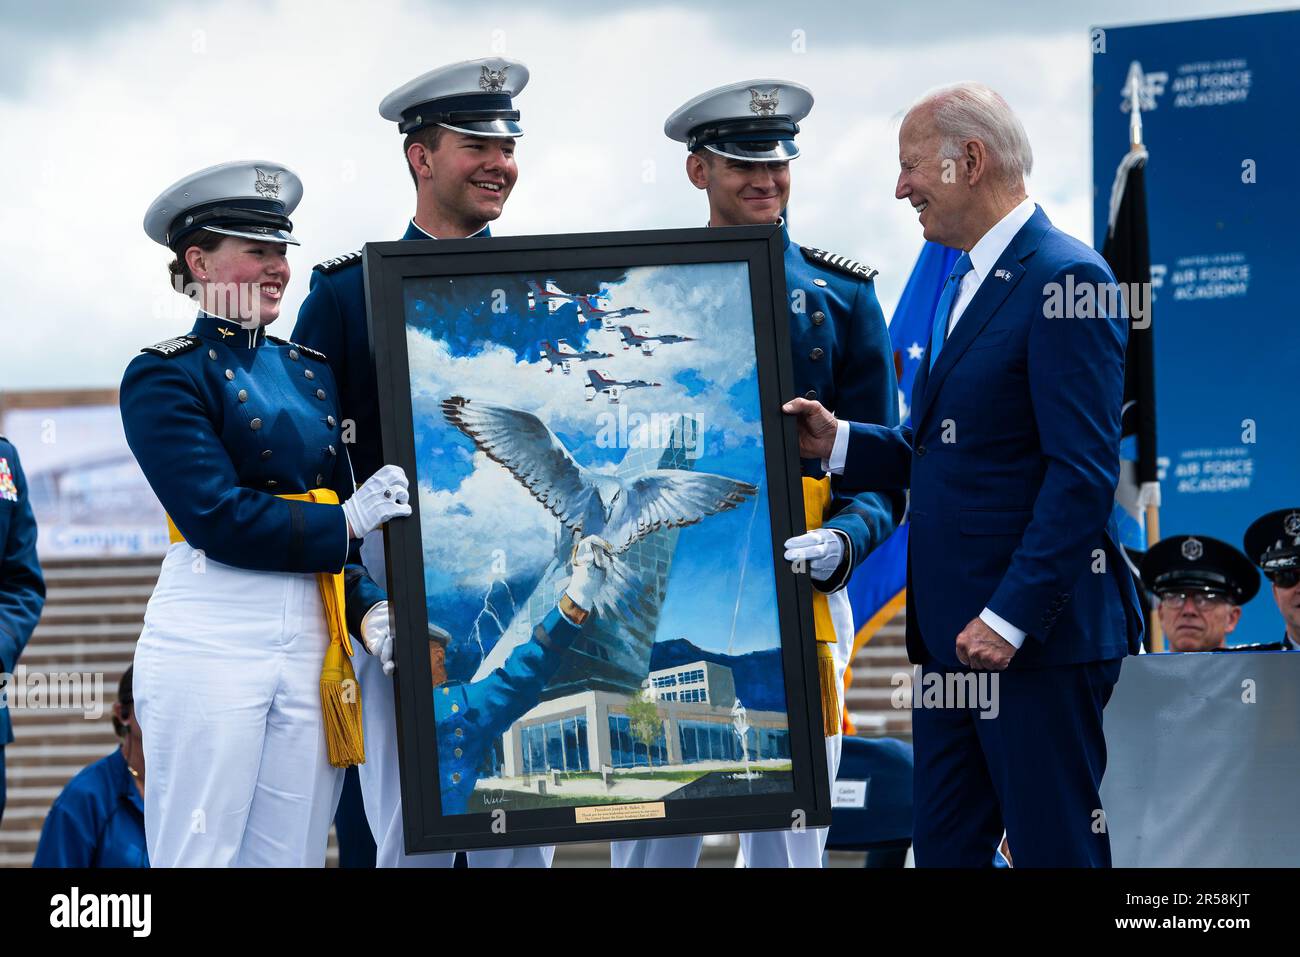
{"x":383,"y":496}
{"x":821,"y":550}
{"x":591,"y":560}
{"x":377,"y":635}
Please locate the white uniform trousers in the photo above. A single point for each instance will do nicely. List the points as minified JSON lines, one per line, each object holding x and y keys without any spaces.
{"x":759,"y":848}
{"x":380,"y":778}
{"x":227,"y":694}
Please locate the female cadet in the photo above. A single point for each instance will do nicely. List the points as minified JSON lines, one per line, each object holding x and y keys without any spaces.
{"x":243,"y":687}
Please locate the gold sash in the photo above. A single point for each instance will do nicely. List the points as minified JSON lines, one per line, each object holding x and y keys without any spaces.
{"x":816,"y":498}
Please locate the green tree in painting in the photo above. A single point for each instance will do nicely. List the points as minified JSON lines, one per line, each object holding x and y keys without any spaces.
{"x":646,"y":723}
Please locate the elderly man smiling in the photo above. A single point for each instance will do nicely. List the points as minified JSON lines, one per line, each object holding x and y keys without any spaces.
{"x":1012,"y":457}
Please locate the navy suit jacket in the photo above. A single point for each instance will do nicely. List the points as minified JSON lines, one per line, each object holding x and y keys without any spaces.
{"x":1012,"y":458}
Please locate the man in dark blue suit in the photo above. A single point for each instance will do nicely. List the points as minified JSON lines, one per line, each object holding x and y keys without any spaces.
{"x":1015,"y":574}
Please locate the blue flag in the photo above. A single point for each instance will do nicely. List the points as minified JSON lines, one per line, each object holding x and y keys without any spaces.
{"x":876,"y":590}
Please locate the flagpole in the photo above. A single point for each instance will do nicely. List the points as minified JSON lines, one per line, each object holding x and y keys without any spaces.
{"x":1134,"y":86}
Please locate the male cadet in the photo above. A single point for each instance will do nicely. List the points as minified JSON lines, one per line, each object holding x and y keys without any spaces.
{"x":1201,"y":584}
{"x":740,"y":139}
{"x":1273,"y":543}
{"x":460,"y":126}
{"x":22,"y":589}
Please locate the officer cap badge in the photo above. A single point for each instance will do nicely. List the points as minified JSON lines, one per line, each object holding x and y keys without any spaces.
{"x":267,"y":184}
{"x":492,"y":81}
{"x":764,"y":102}
{"x":1192,"y":549}
{"x":1291,"y":524}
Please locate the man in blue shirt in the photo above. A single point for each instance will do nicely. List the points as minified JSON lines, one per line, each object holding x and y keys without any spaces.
{"x":22,"y":588}
{"x":98,"y":819}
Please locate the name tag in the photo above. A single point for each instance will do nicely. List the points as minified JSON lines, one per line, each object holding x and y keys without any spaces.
{"x":849,"y":794}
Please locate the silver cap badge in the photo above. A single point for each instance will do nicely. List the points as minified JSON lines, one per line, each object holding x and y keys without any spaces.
{"x":764,"y":103}
{"x":1193,"y":549}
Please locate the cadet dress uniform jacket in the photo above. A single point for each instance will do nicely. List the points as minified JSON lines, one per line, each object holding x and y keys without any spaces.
{"x":842,"y":357}
{"x":226,"y":419}
{"x":22,"y":587}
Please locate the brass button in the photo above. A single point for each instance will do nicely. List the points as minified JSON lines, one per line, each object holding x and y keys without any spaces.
{"x":460,"y":732}
{"x":455,"y":708}
{"x":816,"y":354}
{"x":255,"y":424}
{"x":819,"y":281}
{"x":810,"y":394}
{"x":458,"y":752}
{"x":320,"y":394}
{"x":455,"y":777}
{"x":332,"y":452}
{"x":243,"y":395}
{"x":446,"y":691}
{"x":309,"y":374}
{"x":230,"y":375}
{"x":293,"y":354}
{"x":212,"y":353}
{"x":266,"y":455}
{"x":329,"y":420}
{"x":818,"y":317}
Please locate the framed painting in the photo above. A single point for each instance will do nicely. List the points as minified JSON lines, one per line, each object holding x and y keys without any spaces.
{"x":597,"y":636}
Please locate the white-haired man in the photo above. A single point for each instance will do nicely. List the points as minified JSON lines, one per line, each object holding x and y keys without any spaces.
{"x":1012,"y":457}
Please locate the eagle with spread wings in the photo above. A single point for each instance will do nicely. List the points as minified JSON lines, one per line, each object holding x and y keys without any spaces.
{"x":619,"y":510}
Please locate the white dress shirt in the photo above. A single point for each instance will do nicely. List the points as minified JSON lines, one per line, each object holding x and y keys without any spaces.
{"x":983,"y":256}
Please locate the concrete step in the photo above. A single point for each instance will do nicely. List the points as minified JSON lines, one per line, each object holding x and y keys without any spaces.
{"x":127,"y":590}
{"x":48,"y":648}
{"x":58,"y":631}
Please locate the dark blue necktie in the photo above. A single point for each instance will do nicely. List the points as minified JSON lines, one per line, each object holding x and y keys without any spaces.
{"x":940,"y":331}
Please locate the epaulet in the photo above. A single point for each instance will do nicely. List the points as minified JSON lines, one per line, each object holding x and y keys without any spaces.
{"x":338,"y":262}
{"x":170,"y":348}
{"x":843,"y":264}
{"x":305,"y":350}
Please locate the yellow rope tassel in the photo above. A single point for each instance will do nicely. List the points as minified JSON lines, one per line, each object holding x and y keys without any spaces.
{"x":816,"y":497}
{"x":340,"y":698}
{"x":830,"y":690}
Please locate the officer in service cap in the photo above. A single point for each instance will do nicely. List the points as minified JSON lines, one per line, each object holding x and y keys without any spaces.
{"x":241,"y":669}
{"x":1200,"y":584}
{"x":740,"y":143}
{"x":1273,"y":543}
{"x":459,"y":125}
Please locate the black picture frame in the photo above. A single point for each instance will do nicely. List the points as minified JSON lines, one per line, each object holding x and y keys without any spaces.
{"x":388,"y":266}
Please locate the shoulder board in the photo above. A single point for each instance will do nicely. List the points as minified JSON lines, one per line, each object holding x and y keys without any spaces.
{"x":170,"y":348}
{"x":305,"y":350}
{"x":338,"y":262}
{"x":843,"y":264}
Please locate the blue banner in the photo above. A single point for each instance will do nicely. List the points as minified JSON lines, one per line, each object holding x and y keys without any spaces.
{"x":1218,"y":116}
